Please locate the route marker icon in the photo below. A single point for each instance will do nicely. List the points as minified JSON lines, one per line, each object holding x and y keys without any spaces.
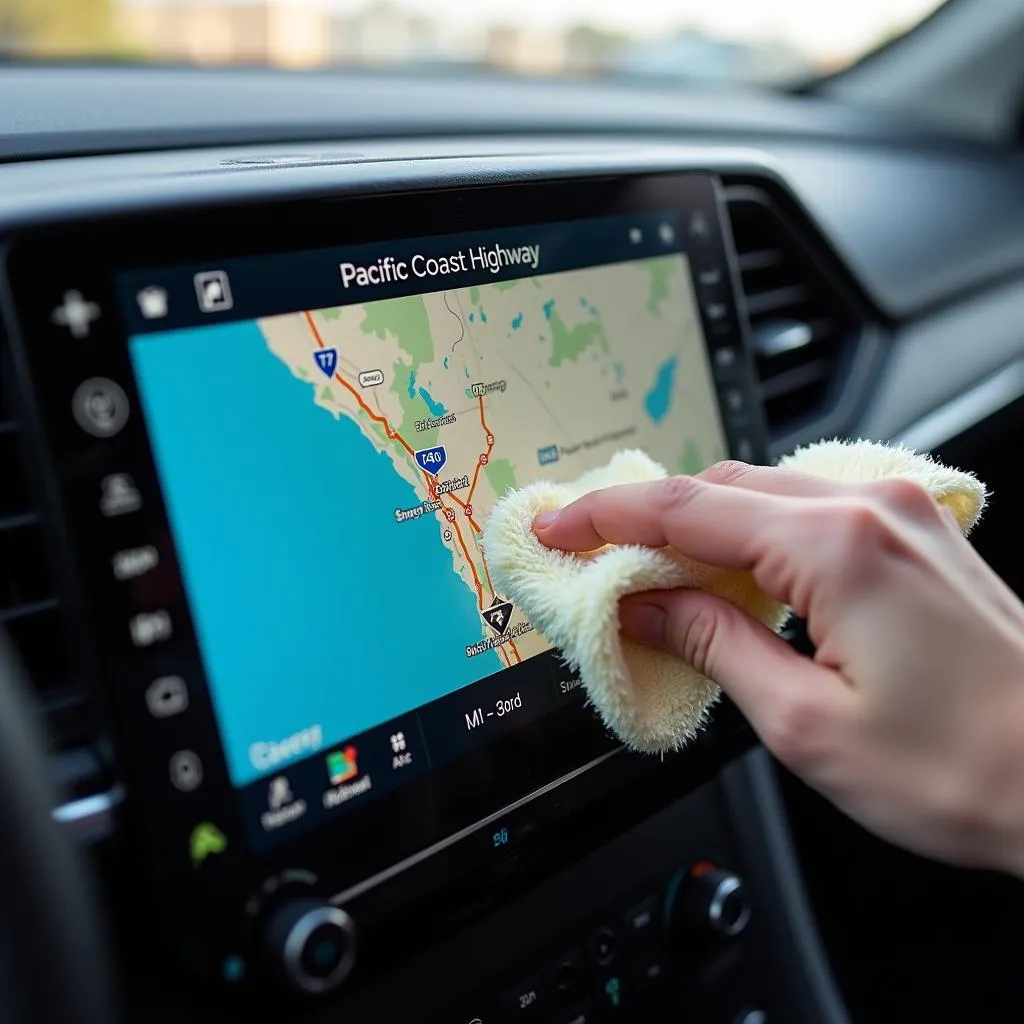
{"x":498,"y":615}
{"x":327,"y":360}
{"x":431,"y":460}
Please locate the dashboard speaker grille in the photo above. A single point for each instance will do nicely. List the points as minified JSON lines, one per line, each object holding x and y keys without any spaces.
{"x":804,"y":329}
{"x":30,"y":611}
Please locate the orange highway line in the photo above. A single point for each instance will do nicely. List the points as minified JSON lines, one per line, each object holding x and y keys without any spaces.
{"x":490,"y":445}
{"x":392,"y":434}
{"x":396,"y":436}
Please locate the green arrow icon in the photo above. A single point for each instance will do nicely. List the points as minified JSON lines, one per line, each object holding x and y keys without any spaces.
{"x":206,"y":839}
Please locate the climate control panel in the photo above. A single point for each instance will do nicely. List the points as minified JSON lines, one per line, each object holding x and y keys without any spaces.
{"x":677,"y":944}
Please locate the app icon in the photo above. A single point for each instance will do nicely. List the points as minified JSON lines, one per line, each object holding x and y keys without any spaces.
{"x":279,"y":793}
{"x":206,"y":840}
{"x":341,"y":765}
{"x":152,"y":302}
{"x":213,"y":291}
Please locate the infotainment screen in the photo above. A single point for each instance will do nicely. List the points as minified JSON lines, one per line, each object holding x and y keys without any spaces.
{"x":327,"y":472}
{"x":276,"y":431}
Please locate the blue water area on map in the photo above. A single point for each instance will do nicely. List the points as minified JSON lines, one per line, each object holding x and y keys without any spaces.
{"x":436,"y":408}
{"x":548,"y":307}
{"x":658,"y":400}
{"x":517,"y":322}
{"x":471,"y":317}
{"x":483,"y":315}
{"x":412,"y":383}
{"x":312,"y":606}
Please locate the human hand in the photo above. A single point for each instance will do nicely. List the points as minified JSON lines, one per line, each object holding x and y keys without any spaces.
{"x":910,"y":716}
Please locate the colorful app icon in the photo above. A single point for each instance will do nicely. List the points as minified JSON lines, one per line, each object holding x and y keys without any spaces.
{"x":341,"y":765}
{"x":206,"y":839}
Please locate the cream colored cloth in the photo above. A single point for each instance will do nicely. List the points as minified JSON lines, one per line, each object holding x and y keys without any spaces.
{"x":651,"y":699}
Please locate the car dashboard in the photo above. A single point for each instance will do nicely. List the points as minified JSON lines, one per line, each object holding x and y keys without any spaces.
{"x":432,"y":840}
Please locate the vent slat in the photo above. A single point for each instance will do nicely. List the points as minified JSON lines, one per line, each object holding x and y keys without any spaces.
{"x":796,"y":379}
{"x":20,"y":611}
{"x":772,"y":301}
{"x":802,"y":324}
{"x":30,"y":611}
{"x":14,"y":522}
{"x":759,"y":259}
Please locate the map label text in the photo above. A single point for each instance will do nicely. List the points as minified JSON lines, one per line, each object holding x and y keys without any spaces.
{"x":371,"y":378}
{"x":479,"y":390}
{"x":437,"y":421}
{"x":457,"y":483}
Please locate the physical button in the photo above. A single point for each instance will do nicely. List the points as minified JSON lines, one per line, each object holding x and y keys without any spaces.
{"x":581,"y":1014}
{"x":525,"y":998}
{"x":734,"y":400}
{"x":650,"y":970}
{"x":726,"y":358}
{"x":167,"y":696}
{"x":100,"y":407}
{"x":134,"y":562}
{"x":744,"y":449}
{"x":148,"y":628}
{"x":76,"y":313}
{"x":566,"y":976}
{"x":186,"y":771}
{"x":641,"y":922}
{"x":205,"y":840}
{"x":312,"y":944}
{"x":118,"y":495}
{"x":602,"y":946}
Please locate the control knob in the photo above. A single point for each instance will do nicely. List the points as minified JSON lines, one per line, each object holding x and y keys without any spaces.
{"x":705,"y":902}
{"x":312,"y":944}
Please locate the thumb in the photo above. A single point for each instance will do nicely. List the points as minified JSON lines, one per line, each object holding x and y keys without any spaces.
{"x":786,"y":697}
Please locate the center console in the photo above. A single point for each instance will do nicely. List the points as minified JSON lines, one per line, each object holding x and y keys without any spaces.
{"x":272,"y":432}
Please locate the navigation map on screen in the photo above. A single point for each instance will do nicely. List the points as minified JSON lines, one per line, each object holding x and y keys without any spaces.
{"x":327,"y":473}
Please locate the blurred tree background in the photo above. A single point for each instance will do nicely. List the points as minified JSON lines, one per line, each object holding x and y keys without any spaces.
{"x":56,"y":27}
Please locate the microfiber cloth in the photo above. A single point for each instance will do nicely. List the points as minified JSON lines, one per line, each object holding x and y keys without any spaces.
{"x":649,"y":698}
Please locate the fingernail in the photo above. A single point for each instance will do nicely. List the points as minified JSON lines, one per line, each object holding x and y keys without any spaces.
{"x":642,"y":621}
{"x":544,"y":519}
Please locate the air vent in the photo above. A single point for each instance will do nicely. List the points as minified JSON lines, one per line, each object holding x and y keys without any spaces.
{"x":29,"y":609}
{"x":804,"y":328}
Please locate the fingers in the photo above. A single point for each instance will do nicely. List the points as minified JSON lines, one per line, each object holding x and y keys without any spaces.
{"x":715,"y":524}
{"x":791,"y":702}
{"x":771,"y":480}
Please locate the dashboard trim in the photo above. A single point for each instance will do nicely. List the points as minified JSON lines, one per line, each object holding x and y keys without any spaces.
{"x":985,"y":399}
{"x":90,"y":818}
{"x":74,"y":190}
{"x":428,"y":851}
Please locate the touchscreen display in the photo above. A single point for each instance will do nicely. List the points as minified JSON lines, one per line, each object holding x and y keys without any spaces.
{"x":327,"y":471}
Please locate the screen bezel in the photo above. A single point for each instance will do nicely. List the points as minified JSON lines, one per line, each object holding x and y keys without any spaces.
{"x":89,"y":256}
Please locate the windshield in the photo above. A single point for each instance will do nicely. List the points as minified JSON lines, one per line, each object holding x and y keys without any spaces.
{"x":768,"y":42}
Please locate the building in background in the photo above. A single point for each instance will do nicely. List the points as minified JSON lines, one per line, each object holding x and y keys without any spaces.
{"x":203,"y":32}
